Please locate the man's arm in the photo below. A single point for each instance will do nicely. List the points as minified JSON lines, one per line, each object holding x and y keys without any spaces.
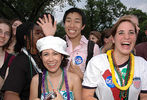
{"x":88,"y":94}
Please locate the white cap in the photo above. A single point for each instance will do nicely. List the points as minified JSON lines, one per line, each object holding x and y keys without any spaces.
{"x":51,"y":42}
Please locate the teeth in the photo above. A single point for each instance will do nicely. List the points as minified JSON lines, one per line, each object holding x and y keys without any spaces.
{"x":72,"y":31}
{"x":126,"y":43}
{"x":51,"y":64}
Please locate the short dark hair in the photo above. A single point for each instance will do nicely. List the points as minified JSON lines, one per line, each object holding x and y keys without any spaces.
{"x":77,"y":10}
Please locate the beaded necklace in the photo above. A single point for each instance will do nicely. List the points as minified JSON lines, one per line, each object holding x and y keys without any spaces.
{"x":64,"y":78}
{"x":123,"y":94}
{"x":60,"y":84}
{"x":129,"y":82}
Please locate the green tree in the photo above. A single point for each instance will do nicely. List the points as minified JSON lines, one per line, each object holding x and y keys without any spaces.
{"x":60,"y":30}
{"x":29,"y":9}
{"x":102,"y":14}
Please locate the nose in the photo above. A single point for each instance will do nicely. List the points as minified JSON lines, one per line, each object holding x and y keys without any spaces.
{"x":127,"y":36}
{"x":71,"y":24}
{"x":50,"y":58}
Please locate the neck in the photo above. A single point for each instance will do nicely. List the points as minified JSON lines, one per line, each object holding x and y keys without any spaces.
{"x":75,"y":41}
{"x":2,"y":52}
{"x":55,"y":74}
{"x":120,"y":58}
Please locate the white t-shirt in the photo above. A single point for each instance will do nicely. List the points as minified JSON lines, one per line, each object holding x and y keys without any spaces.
{"x":98,"y":75}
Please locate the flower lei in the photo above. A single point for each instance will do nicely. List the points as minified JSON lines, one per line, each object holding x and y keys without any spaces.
{"x":113,"y":72}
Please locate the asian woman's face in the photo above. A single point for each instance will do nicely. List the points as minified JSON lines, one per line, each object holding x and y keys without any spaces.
{"x":51,"y":60}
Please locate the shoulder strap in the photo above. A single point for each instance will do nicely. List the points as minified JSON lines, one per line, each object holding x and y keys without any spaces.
{"x":39,"y":86}
{"x":90,"y":49}
{"x":5,"y":65}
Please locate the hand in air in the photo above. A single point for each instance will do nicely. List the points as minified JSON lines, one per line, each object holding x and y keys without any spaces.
{"x":45,"y":23}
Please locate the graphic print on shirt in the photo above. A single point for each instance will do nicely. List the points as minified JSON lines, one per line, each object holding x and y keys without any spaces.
{"x":78,"y":60}
{"x":108,"y":80}
{"x":123,"y":71}
{"x":137,"y":82}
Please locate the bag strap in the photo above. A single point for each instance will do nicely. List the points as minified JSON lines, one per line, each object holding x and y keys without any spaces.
{"x":90,"y":49}
{"x":39,"y":86}
{"x":5,"y":66}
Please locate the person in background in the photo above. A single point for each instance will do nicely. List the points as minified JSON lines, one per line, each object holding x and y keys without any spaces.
{"x":118,"y":73}
{"x":55,"y":80}
{"x":5,"y":57}
{"x":141,"y":48}
{"x":106,"y":40}
{"x":74,"y":23}
{"x":95,"y":36}
{"x":25,"y":65}
{"x":134,"y":19}
{"x":15,"y":23}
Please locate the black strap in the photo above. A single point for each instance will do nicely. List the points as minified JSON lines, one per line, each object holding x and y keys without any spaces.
{"x":39,"y":86}
{"x":90,"y":49}
{"x":5,"y":66}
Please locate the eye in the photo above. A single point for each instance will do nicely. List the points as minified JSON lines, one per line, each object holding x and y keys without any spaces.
{"x":131,"y":32}
{"x":56,"y":53}
{"x":67,"y":20}
{"x":77,"y":21}
{"x":121,"y":32}
{"x":7,"y":33}
{"x":45,"y":54}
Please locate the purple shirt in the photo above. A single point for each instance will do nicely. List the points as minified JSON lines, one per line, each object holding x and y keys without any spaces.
{"x":79,"y":54}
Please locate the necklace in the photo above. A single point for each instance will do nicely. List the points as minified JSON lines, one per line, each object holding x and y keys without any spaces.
{"x":123,"y":93}
{"x":113,"y":72}
{"x":64,"y":76}
{"x":59,"y":87}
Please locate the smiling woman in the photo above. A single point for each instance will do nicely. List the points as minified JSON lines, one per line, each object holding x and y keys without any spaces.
{"x":5,"y":58}
{"x":118,"y":72}
{"x":56,"y":83}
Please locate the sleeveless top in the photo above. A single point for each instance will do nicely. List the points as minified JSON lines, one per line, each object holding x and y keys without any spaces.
{"x":63,"y":93}
{"x":67,"y":95}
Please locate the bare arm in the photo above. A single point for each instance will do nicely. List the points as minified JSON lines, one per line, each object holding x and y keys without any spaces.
{"x":88,"y":94}
{"x":143,"y":96}
{"x":9,"y":95}
{"x":77,"y":87}
{"x":34,"y":88}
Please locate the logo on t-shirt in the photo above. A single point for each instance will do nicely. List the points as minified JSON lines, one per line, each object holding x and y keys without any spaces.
{"x":78,"y":60}
{"x":137,"y":82}
{"x":109,"y":82}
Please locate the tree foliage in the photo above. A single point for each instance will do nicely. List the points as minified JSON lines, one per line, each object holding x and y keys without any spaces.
{"x":29,"y":9}
{"x":102,"y":13}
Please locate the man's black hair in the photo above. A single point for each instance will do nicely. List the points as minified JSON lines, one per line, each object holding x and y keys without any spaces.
{"x":77,"y":10}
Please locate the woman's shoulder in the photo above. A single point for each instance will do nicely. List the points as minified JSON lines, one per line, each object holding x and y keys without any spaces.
{"x":35,"y":79}
{"x":72,"y":76}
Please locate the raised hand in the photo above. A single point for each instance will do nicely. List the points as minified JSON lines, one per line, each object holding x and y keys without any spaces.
{"x":45,"y":23}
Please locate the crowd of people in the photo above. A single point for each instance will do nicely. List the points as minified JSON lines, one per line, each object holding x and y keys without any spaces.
{"x":36,"y":65}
